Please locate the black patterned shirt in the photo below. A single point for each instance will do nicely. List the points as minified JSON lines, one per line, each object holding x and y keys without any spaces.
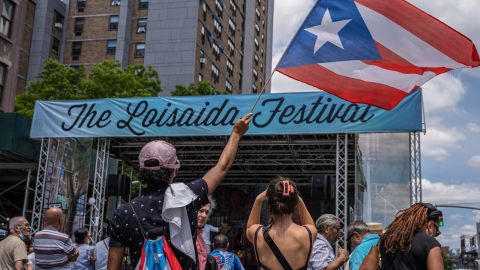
{"x":124,"y":227}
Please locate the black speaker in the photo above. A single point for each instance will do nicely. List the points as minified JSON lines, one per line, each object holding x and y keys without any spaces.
{"x":118,"y":185}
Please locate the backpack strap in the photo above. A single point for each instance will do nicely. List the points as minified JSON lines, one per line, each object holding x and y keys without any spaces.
{"x":278,"y":254}
{"x":255,"y":246}
{"x":138,"y":221}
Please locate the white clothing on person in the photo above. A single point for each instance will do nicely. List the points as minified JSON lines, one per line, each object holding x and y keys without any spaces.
{"x":101,"y":254}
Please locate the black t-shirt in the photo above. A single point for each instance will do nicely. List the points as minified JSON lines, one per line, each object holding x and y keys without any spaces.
{"x":125,"y":232}
{"x":415,"y":259}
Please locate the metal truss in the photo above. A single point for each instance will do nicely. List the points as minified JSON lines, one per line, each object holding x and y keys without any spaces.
{"x":99,"y":185}
{"x":259,"y":158}
{"x":38,"y":200}
{"x":416,"y":168}
{"x":341,"y":195}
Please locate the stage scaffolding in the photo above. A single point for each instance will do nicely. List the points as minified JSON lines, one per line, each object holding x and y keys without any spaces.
{"x":259,"y":159}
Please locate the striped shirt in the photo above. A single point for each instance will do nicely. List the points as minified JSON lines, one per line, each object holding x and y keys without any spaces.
{"x":53,"y":249}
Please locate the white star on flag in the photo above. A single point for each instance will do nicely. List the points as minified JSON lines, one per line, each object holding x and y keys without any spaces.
{"x":327,"y":31}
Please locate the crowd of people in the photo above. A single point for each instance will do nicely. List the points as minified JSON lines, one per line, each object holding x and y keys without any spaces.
{"x":166,"y":228}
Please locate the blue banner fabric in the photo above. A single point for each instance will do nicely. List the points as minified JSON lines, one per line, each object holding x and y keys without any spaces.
{"x":289,"y":113}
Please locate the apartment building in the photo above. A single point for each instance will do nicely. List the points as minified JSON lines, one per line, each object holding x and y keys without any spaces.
{"x":16,"y":27}
{"x":227,"y":42}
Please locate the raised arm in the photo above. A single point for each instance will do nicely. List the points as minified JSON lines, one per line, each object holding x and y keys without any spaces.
{"x":216,"y":174}
{"x":305,"y":217}
{"x":254,"y":218}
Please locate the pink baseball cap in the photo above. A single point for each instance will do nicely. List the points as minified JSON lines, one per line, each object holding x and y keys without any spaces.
{"x":162,"y":151}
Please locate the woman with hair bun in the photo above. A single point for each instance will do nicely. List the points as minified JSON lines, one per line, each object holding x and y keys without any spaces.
{"x":282,"y":244}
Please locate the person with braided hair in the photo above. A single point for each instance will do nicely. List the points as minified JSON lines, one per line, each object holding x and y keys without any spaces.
{"x":409,"y":241}
{"x":282,"y":244}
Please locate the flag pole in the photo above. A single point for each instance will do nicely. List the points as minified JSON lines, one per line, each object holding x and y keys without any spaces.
{"x":262,"y":91}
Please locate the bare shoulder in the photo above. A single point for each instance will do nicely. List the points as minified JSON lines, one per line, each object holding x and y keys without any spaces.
{"x":251,"y":231}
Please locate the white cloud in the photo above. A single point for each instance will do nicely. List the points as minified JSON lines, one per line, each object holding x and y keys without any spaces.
{"x":441,"y":193}
{"x":443,"y":93}
{"x":288,"y":15}
{"x":451,"y":234}
{"x":474,"y":162}
{"x":440,"y":140}
{"x":459,"y":223}
{"x":473,"y":127}
{"x":461,"y":15}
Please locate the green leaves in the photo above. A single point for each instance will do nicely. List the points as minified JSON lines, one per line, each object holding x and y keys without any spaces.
{"x":106,"y":80}
{"x":203,"y":88}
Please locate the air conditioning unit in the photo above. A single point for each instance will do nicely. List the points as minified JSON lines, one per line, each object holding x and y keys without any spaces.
{"x":59,"y":26}
{"x":141,"y":29}
{"x":203,"y":60}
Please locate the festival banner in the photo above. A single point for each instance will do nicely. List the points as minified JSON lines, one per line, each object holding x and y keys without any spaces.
{"x":288,"y":113}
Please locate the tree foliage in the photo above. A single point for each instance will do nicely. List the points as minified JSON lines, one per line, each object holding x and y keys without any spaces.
{"x":203,"y":88}
{"x":106,"y":80}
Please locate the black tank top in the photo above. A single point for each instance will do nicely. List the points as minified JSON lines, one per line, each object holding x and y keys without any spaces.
{"x":415,"y":259}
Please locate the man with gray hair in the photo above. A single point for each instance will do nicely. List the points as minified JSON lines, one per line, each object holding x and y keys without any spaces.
{"x":361,"y":241}
{"x":323,"y":255}
{"x":13,"y":251}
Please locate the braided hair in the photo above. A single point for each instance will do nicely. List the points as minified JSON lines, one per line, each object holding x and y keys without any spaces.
{"x":399,"y":234}
{"x":282,"y":196}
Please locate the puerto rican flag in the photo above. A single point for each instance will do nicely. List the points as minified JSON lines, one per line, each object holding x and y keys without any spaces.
{"x":373,"y":51}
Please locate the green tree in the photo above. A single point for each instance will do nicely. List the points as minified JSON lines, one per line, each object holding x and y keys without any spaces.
{"x":203,"y":88}
{"x":106,"y":80}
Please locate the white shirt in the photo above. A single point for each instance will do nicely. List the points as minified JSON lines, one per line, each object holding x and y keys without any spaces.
{"x":206,"y":233}
{"x":101,"y":254}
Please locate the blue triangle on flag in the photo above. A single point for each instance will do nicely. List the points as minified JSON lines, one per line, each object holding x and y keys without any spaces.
{"x":357,"y":41}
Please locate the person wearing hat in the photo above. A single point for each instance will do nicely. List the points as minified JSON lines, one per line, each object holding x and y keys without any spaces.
{"x":145,"y":216}
{"x":409,"y":241}
{"x":361,"y":240}
{"x":225,"y":260}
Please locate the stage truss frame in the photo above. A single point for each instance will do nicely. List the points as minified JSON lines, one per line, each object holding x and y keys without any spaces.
{"x":293,"y":155}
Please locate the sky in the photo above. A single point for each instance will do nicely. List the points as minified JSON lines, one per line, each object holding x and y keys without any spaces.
{"x":450,"y":147}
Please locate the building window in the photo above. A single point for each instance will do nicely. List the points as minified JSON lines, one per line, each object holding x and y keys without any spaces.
{"x":216,"y":51}
{"x":142,"y":25}
{"x":232,"y":27}
{"x":257,"y":12}
{"x":255,"y":75}
{"x":55,"y":45}
{"x":111,"y":46}
{"x":78,"y":26}
{"x":202,"y":59}
{"x":228,"y":86}
{"x":8,"y":11}
{"x":257,"y":29}
{"x":254,"y":88}
{"x":233,"y":8}
{"x":229,"y":68}
{"x":218,"y":28}
{"x":115,"y":2}
{"x":142,"y":4}
{"x":58,"y":21}
{"x":3,"y":78}
{"x":215,"y":74}
{"x":255,"y":59}
{"x":113,"y":23}
{"x":200,"y":77}
{"x":76,"y":49}
{"x":81,"y":4}
{"x":256,"y":43}
{"x":140,"y":50}
{"x":231,"y":47}
{"x":219,"y":7}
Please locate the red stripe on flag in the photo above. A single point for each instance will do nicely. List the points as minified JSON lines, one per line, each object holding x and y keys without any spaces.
{"x":392,"y":61}
{"x":350,"y":89}
{"x":426,"y":27}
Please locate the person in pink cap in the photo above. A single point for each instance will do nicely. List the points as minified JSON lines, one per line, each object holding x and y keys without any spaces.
{"x":145,"y":216}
